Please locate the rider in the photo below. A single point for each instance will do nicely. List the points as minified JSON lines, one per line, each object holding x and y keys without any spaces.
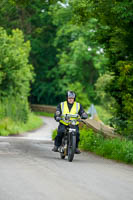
{"x":68,"y":107}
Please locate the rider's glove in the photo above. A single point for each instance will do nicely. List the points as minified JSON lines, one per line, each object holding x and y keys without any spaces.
{"x":84,"y":116}
{"x":57,"y":113}
{"x":58,"y":119}
{"x":67,"y":118}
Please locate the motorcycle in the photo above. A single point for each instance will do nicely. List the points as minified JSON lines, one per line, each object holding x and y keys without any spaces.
{"x":68,"y":145}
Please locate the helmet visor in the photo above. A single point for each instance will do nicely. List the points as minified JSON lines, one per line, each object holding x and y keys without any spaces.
{"x":71,"y":94}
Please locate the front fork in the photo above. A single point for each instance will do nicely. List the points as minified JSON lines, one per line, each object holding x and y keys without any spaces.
{"x":70,"y":135}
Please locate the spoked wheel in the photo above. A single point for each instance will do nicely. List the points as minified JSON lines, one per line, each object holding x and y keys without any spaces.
{"x":71,"y":148}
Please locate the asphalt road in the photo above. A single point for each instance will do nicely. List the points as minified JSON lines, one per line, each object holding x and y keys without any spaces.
{"x":29,"y":170}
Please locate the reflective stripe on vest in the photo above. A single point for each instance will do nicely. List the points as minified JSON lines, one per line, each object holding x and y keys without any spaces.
{"x":65,"y":110}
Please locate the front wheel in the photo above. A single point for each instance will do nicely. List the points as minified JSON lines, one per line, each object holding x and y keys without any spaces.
{"x":71,"y":148}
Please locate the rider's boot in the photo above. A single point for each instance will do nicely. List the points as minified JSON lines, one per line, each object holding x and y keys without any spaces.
{"x":55,"y":149}
{"x":77,"y":151}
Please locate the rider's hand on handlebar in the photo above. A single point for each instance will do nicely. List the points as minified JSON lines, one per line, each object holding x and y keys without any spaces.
{"x":58,"y":119}
{"x":67,"y":117}
{"x":84,"y":116}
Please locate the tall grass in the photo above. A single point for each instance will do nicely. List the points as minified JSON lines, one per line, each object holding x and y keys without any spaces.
{"x":10,"y":127}
{"x":46,"y":114}
{"x":14,"y":108}
{"x":117,"y":149}
{"x":15,"y":117}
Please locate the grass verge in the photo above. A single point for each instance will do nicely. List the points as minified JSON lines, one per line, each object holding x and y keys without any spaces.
{"x":54,"y":134}
{"x":115,"y":149}
{"x":44,"y":114}
{"x":9,"y":127}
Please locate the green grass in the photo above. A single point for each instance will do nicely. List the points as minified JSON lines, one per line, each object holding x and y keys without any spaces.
{"x":9,"y":127}
{"x":54,"y":134}
{"x":44,"y":114}
{"x":115,"y":149}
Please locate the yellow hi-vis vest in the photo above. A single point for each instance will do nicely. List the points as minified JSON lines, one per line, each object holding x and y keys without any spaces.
{"x":65,"y":110}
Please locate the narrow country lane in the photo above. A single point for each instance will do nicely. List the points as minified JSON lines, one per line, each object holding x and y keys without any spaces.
{"x":45,"y":132}
{"x":29,"y":170}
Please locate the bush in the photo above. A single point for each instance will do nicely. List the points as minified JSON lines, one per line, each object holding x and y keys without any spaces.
{"x":15,"y":70}
{"x":123,"y":126}
{"x":16,"y":75}
{"x":14,"y":108}
{"x":117,"y":149}
{"x":103,"y":114}
{"x":121,"y":89}
{"x":88,"y":140}
{"x":102,"y":96}
{"x":54,"y":134}
{"x":9,"y":127}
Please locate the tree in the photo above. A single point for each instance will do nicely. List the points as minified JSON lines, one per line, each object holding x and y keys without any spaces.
{"x":115,"y":20}
{"x":59,"y":48}
{"x":33,"y":18}
{"x":104,"y":97}
{"x":15,"y":71}
{"x":80,"y":58}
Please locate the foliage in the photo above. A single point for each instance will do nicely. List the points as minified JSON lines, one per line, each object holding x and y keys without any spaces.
{"x":114,"y":32}
{"x":10,"y":127}
{"x":33,"y":19}
{"x":33,"y":123}
{"x":44,"y":114}
{"x":16,"y":109}
{"x":15,"y":76}
{"x":117,"y":149}
{"x":58,"y":47}
{"x":123,"y":115}
{"x":15,"y":72}
{"x":72,"y":45}
{"x":102,"y":94}
{"x":80,"y":58}
{"x":87,"y":140}
{"x":104,"y":114}
{"x":54,"y":134}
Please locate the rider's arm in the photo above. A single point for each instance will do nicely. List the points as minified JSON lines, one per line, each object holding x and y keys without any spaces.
{"x":58,"y":109}
{"x":81,"y":110}
{"x":82,"y":113}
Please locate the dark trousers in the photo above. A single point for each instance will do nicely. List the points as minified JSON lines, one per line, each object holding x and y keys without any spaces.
{"x":60,"y":133}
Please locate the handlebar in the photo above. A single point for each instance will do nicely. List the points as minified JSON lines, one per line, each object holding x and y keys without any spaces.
{"x":67,"y":117}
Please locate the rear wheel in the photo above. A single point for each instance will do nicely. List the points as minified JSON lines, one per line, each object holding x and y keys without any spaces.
{"x":71,"y":148}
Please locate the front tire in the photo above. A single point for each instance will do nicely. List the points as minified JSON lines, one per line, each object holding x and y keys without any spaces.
{"x":71,"y":148}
